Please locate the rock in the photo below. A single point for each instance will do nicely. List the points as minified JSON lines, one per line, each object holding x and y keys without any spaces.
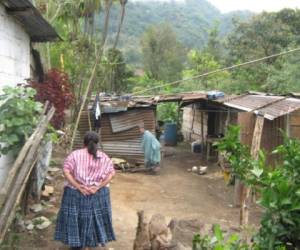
{"x":27,"y":222}
{"x":49,"y":189}
{"x":30,"y":227}
{"x":202,"y":170}
{"x":49,"y":178}
{"x":53,"y":169}
{"x":36,"y":208}
{"x":195,"y":169}
{"x":41,"y":222}
{"x":183,"y":231}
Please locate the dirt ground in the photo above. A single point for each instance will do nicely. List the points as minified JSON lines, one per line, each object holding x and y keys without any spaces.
{"x":175,"y":193}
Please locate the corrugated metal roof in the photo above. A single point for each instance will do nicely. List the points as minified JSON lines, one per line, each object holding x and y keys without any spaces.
{"x":280,"y":108}
{"x":251,"y":102}
{"x":270,"y":106}
{"x":29,"y":17}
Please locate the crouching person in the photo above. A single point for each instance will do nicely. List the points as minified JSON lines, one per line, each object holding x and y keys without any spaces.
{"x":151,"y":148}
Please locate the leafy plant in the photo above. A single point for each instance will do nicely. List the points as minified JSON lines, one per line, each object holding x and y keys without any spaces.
{"x":279,"y":190}
{"x":19,"y":115}
{"x":280,"y":197}
{"x":57,"y":90}
{"x":243,"y":165}
{"x":218,"y":241}
{"x":167,"y":112}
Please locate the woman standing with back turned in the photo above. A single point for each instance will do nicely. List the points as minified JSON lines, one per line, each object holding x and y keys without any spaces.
{"x":84,"y":219}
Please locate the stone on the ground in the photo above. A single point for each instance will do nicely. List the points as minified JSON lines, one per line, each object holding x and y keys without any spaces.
{"x":41,"y":222}
{"x":177,"y":235}
{"x":48,"y":190}
{"x":30,"y":227}
{"x":183,"y":231}
{"x":53,"y":169}
{"x":36,"y":208}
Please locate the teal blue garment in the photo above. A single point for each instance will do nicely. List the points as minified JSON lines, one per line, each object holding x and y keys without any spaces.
{"x":151,"y":148}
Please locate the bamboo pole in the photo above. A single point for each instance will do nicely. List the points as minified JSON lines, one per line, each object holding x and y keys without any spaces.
{"x":93,"y":74}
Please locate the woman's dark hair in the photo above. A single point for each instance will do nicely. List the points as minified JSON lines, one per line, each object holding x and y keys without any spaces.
{"x":91,"y":140}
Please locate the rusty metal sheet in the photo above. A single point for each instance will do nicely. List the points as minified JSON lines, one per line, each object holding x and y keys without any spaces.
{"x":251,"y":102}
{"x":280,"y":108}
{"x":129,"y":150}
{"x":125,"y":121}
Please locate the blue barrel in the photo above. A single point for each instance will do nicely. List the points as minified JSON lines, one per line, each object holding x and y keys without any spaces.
{"x":170,"y":134}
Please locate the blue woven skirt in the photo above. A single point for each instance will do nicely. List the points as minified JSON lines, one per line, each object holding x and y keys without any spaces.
{"x":85,"y":221}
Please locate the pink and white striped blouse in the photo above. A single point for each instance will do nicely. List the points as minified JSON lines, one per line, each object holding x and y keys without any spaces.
{"x":87,"y":170}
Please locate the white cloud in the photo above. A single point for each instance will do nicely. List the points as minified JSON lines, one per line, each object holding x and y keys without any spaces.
{"x":255,"y":5}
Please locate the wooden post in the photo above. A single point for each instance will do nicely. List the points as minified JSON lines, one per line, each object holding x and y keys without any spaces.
{"x":192,"y":125}
{"x":255,"y":147}
{"x":202,"y":135}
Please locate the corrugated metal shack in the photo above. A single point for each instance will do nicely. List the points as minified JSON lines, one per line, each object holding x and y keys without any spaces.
{"x":120,"y":136}
{"x":205,"y":119}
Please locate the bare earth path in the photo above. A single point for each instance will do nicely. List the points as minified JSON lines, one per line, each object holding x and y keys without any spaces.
{"x":175,"y":193}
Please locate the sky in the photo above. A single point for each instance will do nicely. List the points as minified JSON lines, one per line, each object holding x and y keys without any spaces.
{"x":254,"y":5}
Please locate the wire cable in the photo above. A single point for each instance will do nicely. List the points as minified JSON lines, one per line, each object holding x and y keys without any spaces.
{"x":218,"y":70}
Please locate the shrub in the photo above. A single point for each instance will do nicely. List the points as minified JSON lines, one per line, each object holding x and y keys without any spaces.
{"x":56,"y":89}
{"x":19,"y":115}
{"x":279,"y":190}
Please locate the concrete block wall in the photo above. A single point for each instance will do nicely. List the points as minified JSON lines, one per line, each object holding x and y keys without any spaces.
{"x":14,"y":65}
{"x":14,"y":51}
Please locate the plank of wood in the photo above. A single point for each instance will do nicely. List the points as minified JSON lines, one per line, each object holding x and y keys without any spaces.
{"x":255,"y":147}
{"x":16,"y":189}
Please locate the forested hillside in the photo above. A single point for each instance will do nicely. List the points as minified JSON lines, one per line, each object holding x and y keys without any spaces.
{"x":191,"y":20}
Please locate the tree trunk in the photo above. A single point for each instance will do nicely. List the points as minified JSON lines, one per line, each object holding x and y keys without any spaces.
{"x":91,"y":81}
{"x":123,"y":5}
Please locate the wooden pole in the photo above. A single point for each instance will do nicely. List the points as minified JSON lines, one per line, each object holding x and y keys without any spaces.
{"x":202,"y":135}
{"x":93,"y":74}
{"x":16,"y":189}
{"x":255,"y":147}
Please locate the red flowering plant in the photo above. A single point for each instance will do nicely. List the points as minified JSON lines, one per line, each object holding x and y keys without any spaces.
{"x":56,"y":89}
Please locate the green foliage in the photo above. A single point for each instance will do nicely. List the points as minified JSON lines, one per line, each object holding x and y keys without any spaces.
{"x":280,"y":198}
{"x":116,"y":72}
{"x":200,"y":63}
{"x":278,"y":188}
{"x":265,"y":34}
{"x":191,"y":21}
{"x":285,"y":78}
{"x":19,"y":115}
{"x":238,"y":154}
{"x":163,"y":55}
{"x":218,"y":241}
{"x":167,"y":112}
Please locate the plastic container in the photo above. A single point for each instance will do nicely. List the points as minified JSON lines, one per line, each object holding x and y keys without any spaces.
{"x":170,"y":134}
{"x":196,"y":147}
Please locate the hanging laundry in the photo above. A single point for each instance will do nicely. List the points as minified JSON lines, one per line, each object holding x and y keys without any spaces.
{"x":97,"y":113}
